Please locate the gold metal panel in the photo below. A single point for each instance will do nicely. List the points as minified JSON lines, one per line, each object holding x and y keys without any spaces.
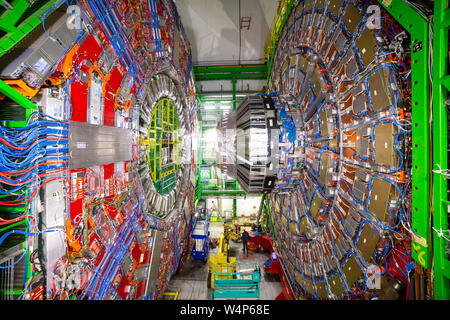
{"x":320,"y":4}
{"x":366,"y":44}
{"x":303,"y":63}
{"x":379,"y":91}
{"x":334,"y":6}
{"x":367,"y":242}
{"x":303,"y":225}
{"x":324,"y":166}
{"x":351,"y":18}
{"x":317,"y":203}
{"x":379,"y":198}
{"x":336,"y":285}
{"x":284,"y":220}
{"x":384,"y":144}
{"x":324,"y":125}
{"x":293,"y":60}
{"x":309,"y":286}
{"x":351,"y":270}
{"x":316,"y":85}
{"x":298,"y":277}
{"x":293,"y":228}
{"x":321,"y":290}
{"x":308,"y":4}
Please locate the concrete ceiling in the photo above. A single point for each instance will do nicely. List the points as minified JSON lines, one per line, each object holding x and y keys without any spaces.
{"x":212,"y":27}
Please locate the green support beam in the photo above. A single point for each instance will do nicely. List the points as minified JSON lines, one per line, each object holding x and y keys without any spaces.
{"x":218,"y":193}
{"x":14,"y":95}
{"x":227,"y":76}
{"x":231,"y":73}
{"x":238,"y":72}
{"x":244,"y":68}
{"x":10,"y":18}
{"x":441,"y":86}
{"x":418,"y":28}
{"x":198,"y":193}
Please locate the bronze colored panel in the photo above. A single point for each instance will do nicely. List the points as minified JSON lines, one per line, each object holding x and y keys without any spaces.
{"x":303,"y":63}
{"x":323,"y":172}
{"x":308,"y":4}
{"x":379,"y":197}
{"x":331,"y":54}
{"x":352,"y":270}
{"x":367,"y":242}
{"x":298,"y":277}
{"x":315,"y":81}
{"x":324,"y":125}
{"x":320,"y":4}
{"x":308,"y":286}
{"x":293,"y":228}
{"x":336,"y":285}
{"x":315,"y":206}
{"x":303,"y":225}
{"x":379,"y":92}
{"x":351,"y":18}
{"x":384,"y":144}
{"x":293,"y":60}
{"x":334,"y":6}
{"x":284,"y":220}
{"x":284,"y":67}
{"x":321,"y":291}
{"x":366,"y":45}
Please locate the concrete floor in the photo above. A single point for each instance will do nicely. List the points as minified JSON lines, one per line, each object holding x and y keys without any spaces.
{"x":192,"y":280}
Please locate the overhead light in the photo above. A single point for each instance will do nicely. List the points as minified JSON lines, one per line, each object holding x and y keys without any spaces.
{"x":210,"y":106}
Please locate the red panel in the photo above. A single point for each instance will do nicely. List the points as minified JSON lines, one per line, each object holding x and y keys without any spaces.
{"x":79,"y":100}
{"x":90,"y":48}
{"x":136,"y":252}
{"x":114,"y":80}
{"x":141,"y":288}
{"x":108,"y":170}
{"x":76,"y":203}
{"x":109,"y":115}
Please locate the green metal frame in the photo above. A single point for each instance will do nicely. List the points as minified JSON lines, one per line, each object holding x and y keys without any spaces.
{"x":17,"y":22}
{"x":418,"y":28}
{"x":14,"y":95}
{"x":214,"y":193}
{"x":441,"y":86}
{"x":164,"y":120}
{"x":231,"y":73}
{"x":198,"y":191}
{"x":10,"y":18}
{"x":17,"y":28}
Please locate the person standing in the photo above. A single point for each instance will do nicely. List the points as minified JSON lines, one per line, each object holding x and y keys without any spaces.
{"x":245,"y":238}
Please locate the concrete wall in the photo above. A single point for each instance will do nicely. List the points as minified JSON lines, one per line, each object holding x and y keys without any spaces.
{"x":212,"y":27}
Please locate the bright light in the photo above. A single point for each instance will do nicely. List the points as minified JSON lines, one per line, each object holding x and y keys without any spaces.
{"x":210,"y":106}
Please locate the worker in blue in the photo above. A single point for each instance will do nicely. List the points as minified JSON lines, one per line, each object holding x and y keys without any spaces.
{"x":245,"y":238}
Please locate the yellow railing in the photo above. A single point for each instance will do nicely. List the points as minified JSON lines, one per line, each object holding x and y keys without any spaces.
{"x":277,"y":25}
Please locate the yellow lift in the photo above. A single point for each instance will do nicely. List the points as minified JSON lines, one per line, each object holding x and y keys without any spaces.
{"x":222,"y":256}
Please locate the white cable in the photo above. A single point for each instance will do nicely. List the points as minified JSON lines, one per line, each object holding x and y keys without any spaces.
{"x":440,"y":233}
